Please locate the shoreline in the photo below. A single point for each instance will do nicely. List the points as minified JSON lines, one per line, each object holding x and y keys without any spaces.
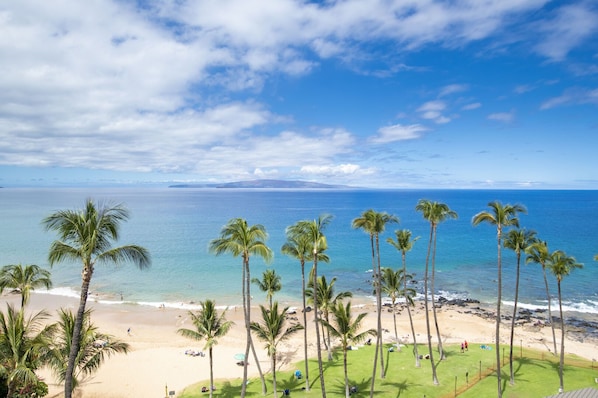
{"x":157,"y":359}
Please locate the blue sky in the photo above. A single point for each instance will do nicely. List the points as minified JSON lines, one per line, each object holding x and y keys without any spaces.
{"x":377,"y":93}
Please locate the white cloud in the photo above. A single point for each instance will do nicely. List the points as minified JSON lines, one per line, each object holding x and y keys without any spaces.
{"x":504,"y":117}
{"x":398,"y":132}
{"x":452,"y":88}
{"x":432,"y":110}
{"x":572,"y":96}
{"x":335,"y":170}
{"x":572,"y":25}
{"x":472,"y":106}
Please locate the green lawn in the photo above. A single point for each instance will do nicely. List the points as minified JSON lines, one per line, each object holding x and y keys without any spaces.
{"x":469,"y":373}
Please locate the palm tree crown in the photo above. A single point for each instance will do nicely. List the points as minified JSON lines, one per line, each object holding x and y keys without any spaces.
{"x":24,"y":279}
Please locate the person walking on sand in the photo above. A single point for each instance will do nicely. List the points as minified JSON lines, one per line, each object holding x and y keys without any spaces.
{"x":466,"y":346}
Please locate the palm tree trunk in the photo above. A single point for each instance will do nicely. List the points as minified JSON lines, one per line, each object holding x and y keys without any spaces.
{"x":274,"y":375}
{"x":514,"y":318}
{"x":211,"y":372}
{"x":248,"y":332}
{"x":76,"y":338}
{"x":394,"y":320}
{"x":304,"y":326}
{"x":499,"y":299}
{"x":316,"y":319}
{"x":440,"y":350}
{"x":562,"y":361}
{"x":347,"y":394}
{"x":549,"y":309}
{"x":430,"y":352}
{"x":417,"y":364}
{"x":379,"y":305}
{"x":378,"y":330}
{"x":328,"y":346}
{"x":249,"y":338}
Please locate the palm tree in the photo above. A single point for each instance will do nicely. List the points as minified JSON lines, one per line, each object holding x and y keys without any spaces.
{"x":240,"y":239}
{"x":23,"y":344}
{"x":374,"y":223}
{"x":209,"y":326}
{"x":94,"y":347}
{"x":24,"y":279}
{"x":347,"y":329}
{"x":501,"y":216}
{"x":404,"y":243}
{"x":327,"y":299}
{"x":434,"y":213}
{"x":538,"y":253}
{"x":314,"y":232}
{"x":87,"y":235}
{"x":391,"y":286}
{"x":300,"y":246}
{"x":272,"y":331}
{"x":270,"y":283}
{"x":561,"y":265}
{"x":517,"y":240}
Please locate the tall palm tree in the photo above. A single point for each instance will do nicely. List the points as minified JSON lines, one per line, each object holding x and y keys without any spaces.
{"x":314,"y":232}
{"x":87,"y":235}
{"x":240,"y":239}
{"x":404,"y":243}
{"x":300,"y":246}
{"x":391,"y":286}
{"x":517,"y":240}
{"x":272,"y":330}
{"x":374,"y":223}
{"x":345,"y":328}
{"x":24,"y":279}
{"x":501,"y":216}
{"x":434,"y":213}
{"x":94,"y":347}
{"x":539,"y":254}
{"x":561,"y":265}
{"x":209,"y":326}
{"x":270,"y":283}
{"x":327,"y":299}
{"x":23,"y":344}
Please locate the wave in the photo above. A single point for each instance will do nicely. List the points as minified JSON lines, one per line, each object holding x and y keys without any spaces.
{"x":588,"y":307}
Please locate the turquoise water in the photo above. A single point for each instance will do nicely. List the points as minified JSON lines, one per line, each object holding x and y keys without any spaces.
{"x":176,"y":226}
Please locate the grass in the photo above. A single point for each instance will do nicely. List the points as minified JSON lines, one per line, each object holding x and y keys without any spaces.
{"x":469,"y":374}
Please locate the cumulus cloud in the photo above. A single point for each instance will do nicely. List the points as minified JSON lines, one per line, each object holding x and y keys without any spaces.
{"x":398,"y":132}
{"x":472,"y":106}
{"x":432,"y":110}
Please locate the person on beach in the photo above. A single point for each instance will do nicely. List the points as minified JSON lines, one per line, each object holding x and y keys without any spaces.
{"x":466,"y":346}
{"x":462,"y":347}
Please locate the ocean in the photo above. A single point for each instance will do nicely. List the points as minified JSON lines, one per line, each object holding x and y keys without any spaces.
{"x":177,"y":224}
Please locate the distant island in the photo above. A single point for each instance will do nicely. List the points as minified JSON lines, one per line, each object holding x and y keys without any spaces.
{"x":264,"y":184}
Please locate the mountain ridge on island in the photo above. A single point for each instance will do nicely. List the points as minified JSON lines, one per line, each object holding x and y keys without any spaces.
{"x":266,"y":183}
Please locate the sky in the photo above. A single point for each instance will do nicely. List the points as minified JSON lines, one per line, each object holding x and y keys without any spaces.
{"x":414,"y":94}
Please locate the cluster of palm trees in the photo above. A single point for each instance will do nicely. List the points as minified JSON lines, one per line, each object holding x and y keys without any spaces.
{"x":29,"y":342}
{"x":71,"y":347}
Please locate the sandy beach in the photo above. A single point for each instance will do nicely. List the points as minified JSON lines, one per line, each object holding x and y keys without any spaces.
{"x":157,"y":361}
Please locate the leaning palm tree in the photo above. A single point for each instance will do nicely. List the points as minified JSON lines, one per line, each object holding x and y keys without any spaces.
{"x":517,"y":240}
{"x":87,"y":235}
{"x":314,"y":232}
{"x":561,"y":265}
{"x":501,"y":216}
{"x":94,"y":347}
{"x":272,"y":330}
{"x":374,"y":223}
{"x":209,"y":326}
{"x":24,"y":279}
{"x":434,"y":213}
{"x":300,"y":246}
{"x":23,"y":345}
{"x":327,"y":300}
{"x":270,"y":283}
{"x":345,"y":328}
{"x":538,"y":253}
{"x":240,"y":239}
{"x":404,"y":243}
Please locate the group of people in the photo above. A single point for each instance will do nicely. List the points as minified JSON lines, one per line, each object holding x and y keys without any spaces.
{"x":464,"y":346}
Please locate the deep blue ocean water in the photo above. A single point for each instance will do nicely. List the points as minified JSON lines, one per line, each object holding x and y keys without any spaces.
{"x":177,"y":224}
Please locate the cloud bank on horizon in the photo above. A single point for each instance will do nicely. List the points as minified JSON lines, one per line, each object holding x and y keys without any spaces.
{"x":397,"y":94}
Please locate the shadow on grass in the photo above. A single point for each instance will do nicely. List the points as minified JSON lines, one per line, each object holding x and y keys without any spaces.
{"x":362,"y":386}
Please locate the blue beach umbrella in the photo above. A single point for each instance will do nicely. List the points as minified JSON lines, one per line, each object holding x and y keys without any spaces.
{"x":240,"y":357}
